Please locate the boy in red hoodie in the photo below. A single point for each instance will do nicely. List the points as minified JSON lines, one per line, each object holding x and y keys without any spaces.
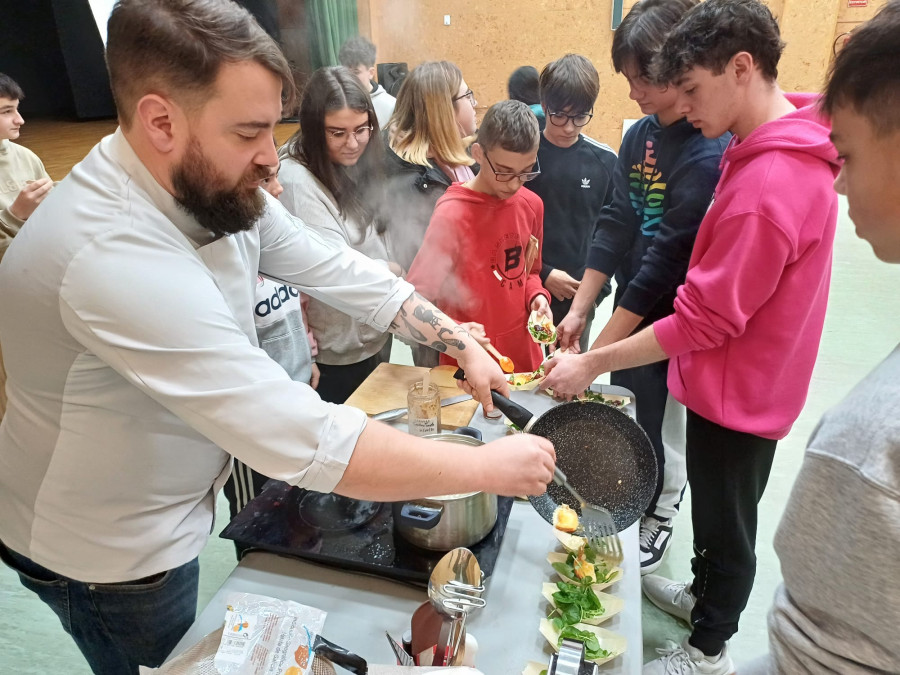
{"x":744,"y":336}
{"x":472,"y":262}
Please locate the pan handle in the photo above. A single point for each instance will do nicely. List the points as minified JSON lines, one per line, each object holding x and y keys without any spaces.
{"x":342,"y":657}
{"x":521,"y":417}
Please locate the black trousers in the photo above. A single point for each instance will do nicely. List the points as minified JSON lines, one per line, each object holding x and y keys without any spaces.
{"x":425,"y":357}
{"x":727,"y":471}
{"x":336,"y":383}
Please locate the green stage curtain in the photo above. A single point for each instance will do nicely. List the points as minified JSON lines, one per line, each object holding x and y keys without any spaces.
{"x":331,"y":22}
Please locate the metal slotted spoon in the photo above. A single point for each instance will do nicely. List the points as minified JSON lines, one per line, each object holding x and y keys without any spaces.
{"x":597,"y":525}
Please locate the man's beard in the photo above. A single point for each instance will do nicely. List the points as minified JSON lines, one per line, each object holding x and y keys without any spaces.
{"x":221,"y":211}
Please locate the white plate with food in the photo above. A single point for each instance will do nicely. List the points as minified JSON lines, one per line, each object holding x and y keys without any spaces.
{"x":591,"y":606}
{"x":570,"y":542}
{"x":525,"y":381}
{"x":601,"y":645}
{"x":603,"y":575}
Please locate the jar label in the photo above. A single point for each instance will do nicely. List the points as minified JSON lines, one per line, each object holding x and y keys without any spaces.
{"x":422,"y":426}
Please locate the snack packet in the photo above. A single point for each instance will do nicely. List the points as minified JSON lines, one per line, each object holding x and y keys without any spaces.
{"x":266,"y":636}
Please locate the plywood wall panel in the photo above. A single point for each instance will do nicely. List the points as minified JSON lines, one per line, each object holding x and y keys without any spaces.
{"x":488,"y":39}
{"x":858,"y":14}
{"x":776,"y":7}
{"x":808,"y":28}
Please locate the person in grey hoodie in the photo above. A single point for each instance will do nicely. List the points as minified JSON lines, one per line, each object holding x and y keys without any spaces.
{"x":358,"y":55}
{"x":838,"y":608}
{"x":329,"y":170}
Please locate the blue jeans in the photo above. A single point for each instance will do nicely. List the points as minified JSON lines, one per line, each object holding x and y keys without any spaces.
{"x":117,"y":626}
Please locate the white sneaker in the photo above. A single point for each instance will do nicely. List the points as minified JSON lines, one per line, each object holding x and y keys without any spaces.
{"x":655,"y":537}
{"x":685,"y":659}
{"x":670,"y":596}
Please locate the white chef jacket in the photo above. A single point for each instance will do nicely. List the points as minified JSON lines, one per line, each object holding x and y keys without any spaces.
{"x":134,"y":371}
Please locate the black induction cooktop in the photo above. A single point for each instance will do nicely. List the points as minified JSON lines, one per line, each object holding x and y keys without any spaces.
{"x":346,"y":533}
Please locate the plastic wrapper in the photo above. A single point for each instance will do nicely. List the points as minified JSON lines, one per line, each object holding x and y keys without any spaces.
{"x":265,"y":636}
{"x":261,"y":636}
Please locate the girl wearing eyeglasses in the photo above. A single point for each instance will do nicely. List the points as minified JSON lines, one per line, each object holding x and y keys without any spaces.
{"x":427,"y":137}
{"x":331,"y":169}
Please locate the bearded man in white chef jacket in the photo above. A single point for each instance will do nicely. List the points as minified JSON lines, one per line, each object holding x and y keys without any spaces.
{"x":134,"y":372}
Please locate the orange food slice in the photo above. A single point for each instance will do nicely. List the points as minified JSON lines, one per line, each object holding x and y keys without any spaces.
{"x":583,"y":568}
{"x":565,"y":518}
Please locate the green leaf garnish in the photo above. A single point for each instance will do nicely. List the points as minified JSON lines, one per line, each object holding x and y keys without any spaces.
{"x":592,"y":649}
{"x":577,"y":603}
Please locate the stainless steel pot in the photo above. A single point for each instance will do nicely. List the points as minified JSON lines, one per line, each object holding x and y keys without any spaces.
{"x":449,"y":521}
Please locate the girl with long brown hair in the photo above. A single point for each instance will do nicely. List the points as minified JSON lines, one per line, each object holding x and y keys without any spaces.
{"x":330,"y":169}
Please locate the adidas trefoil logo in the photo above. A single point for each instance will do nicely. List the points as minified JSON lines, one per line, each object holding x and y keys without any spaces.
{"x":586,"y":183}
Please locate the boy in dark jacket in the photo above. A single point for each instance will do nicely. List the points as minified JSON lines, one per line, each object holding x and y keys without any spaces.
{"x":575,"y":182}
{"x":662,"y":187}
{"x":472,"y":264}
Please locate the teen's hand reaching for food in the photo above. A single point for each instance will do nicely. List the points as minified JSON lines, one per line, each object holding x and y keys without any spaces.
{"x":561,"y":285}
{"x":568,"y":375}
{"x":541,"y":306}
{"x":569,"y":331}
{"x":476,"y":330}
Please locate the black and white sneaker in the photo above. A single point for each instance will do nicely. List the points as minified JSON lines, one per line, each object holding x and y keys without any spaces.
{"x":655,"y":537}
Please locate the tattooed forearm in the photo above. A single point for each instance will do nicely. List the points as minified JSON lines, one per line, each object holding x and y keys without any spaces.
{"x":421,"y":321}
{"x":410,"y":330}
{"x":430,"y":315}
{"x":445,"y":334}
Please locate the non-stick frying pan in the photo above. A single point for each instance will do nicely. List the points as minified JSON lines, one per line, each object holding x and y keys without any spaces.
{"x":606,"y":455}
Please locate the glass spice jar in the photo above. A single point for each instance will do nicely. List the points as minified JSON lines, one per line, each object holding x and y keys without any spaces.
{"x":424,"y":406}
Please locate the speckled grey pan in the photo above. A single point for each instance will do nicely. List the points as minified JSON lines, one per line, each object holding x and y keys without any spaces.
{"x":606,"y":455}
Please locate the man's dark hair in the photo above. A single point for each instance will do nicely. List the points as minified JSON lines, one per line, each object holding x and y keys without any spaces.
{"x":714,"y":31}
{"x":865,"y":75}
{"x":524,"y":85}
{"x":178,"y":47}
{"x":643,"y":32}
{"x":511,"y":126}
{"x":10,"y":89}
{"x":357,"y":51}
{"x":569,"y":83}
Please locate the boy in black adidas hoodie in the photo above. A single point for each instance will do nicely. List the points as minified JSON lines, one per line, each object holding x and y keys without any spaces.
{"x":575,"y":182}
{"x":662,"y":187}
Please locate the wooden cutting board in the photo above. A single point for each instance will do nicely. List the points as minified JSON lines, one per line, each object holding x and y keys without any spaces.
{"x":386,"y":388}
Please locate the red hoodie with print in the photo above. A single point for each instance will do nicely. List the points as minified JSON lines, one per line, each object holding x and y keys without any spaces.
{"x":745,"y":333}
{"x":472,"y":266}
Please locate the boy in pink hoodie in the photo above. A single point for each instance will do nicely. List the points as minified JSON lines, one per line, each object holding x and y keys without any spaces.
{"x":844,"y":510}
{"x":745,"y":333}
